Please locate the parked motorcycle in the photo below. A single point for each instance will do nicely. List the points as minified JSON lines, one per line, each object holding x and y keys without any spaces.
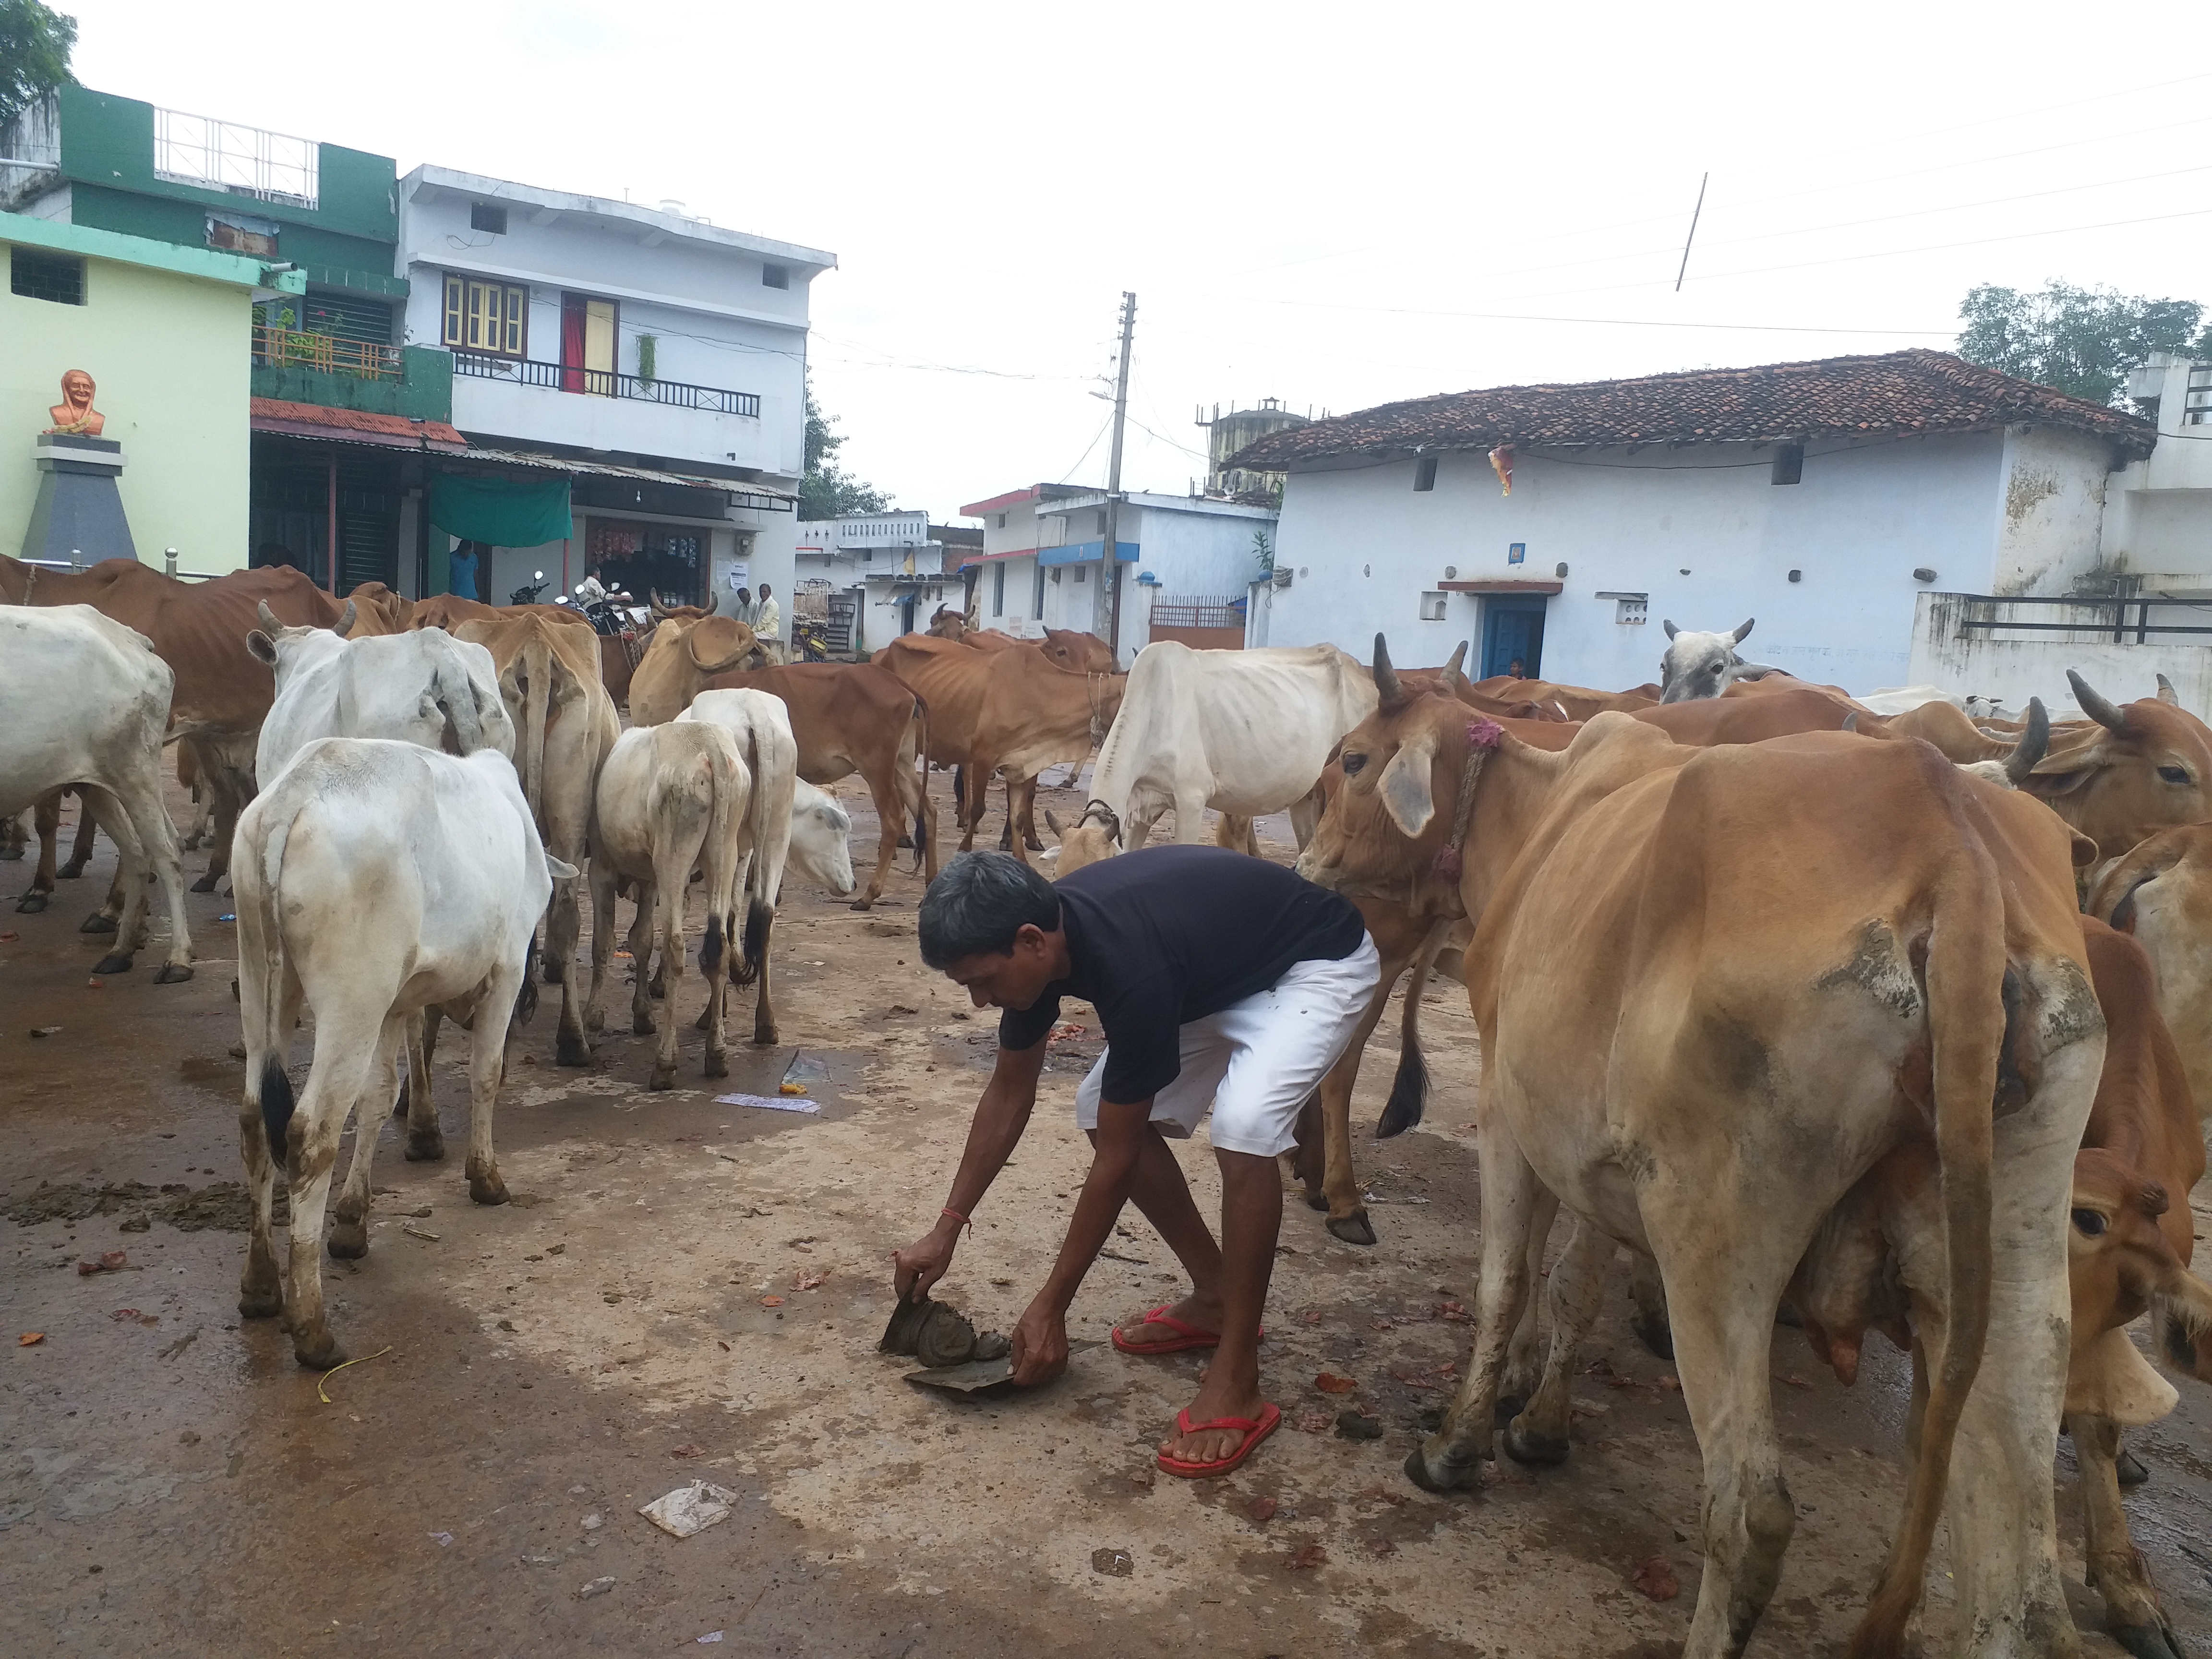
{"x":528,"y":593}
{"x":809,"y":638}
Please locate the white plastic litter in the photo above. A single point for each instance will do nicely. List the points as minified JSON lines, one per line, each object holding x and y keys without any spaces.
{"x":690,"y":1509}
{"x":771,"y":1102}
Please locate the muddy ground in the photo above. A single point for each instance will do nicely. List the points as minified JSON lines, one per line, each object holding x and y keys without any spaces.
{"x":684,"y":1289}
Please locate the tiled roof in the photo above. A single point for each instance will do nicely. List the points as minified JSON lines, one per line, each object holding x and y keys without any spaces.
{"x":1897,"y":394}
{"x":276,"y":415}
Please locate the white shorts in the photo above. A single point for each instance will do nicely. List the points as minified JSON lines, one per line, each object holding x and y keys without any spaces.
{"x":1257,"y":1061}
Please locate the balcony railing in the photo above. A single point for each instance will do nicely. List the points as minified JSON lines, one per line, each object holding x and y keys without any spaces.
{"x":292,"y":348}
{"x":605,"y":383}
{"x":271,"y":166}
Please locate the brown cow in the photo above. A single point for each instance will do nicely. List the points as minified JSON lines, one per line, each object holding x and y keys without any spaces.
{"x":688,"y":648}
{"x":2162,"y":893}
{"x":1014,"y":710}
{"x":1700,"y":1051}
{"x":1579,"y":702}
{"x":854,"y":717}
{"x":199,"y":629}
{"x":564,"y":726}
{"x":378,"y":610}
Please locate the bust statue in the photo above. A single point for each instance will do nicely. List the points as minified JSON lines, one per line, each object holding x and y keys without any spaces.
{"x":75,"y":414}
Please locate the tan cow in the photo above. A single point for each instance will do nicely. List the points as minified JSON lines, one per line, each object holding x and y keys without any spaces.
{"x":1014,"y":711}
{"x":689,"y":647}
{"x":854,"y":717}
{"x":2162,"y":893}
{"x":1578,"y":703}
{"x":671,"y":800}
{"x":1698,"y":1051}
{"x":199,"y":629}
{"x":564,"y":724}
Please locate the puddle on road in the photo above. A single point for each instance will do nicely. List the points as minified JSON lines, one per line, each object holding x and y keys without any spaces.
{"x":223,"y":1206}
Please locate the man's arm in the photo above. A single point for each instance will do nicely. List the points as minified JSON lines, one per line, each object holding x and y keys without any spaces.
{"x":1040,"y":1340}
{"x":1000,"y":1116}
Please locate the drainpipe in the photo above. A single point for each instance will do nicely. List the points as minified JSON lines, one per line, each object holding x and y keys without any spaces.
{"x":331,"y":538}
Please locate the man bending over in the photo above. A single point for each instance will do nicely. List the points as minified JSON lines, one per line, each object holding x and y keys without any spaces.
{"x":1219,"y":978}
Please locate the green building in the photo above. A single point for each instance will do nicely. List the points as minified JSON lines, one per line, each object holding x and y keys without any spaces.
{"x":164,"y":333}
{"x":342,"y":417}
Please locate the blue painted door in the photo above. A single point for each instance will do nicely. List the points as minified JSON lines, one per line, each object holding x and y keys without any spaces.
{"x":1512,"y":630}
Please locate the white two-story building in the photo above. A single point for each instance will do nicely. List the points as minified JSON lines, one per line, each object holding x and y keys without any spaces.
{"x":873,"y":576}
{"x":632,"y":377}
{"x":1187,"y":561}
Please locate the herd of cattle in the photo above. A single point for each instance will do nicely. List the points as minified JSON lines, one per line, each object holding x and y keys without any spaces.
{"x":1889,"y":1013}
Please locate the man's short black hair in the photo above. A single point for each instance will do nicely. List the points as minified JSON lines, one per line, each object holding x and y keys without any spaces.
{"x":978,"y":902}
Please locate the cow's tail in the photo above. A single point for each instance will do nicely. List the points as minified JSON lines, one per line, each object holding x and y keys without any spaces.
{"x":536,"y":667}
{"x":764,"y":875}
{"x":919,"y":724}
{"x":719,"y":857}
{"x":1409,"y":1090}
{"x":1971,"y":1001}
{"x":274,"y":1089}
{"x":456,"y":697}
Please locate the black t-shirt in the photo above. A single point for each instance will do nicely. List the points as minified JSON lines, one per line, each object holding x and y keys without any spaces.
{"x":1158,"y":938}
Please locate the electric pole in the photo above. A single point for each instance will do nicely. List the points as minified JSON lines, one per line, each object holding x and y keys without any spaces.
{"x":1111,"y":550}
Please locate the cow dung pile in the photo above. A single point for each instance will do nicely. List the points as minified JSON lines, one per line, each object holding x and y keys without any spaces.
{"x":939,"y":1334}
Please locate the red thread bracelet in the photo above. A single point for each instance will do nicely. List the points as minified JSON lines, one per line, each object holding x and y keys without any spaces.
{"x":956,"y":1216}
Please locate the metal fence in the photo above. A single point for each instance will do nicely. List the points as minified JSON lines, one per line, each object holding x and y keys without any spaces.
{"x":1222,"y":612}
{"x":2122,"y":621}
{"x":605,"y":383}
{"x":292,"y":348}
{"x":199,"y":149}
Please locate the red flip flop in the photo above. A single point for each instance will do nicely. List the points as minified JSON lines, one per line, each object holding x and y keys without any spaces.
{"x":1188,"y":1335}
{"x":1254,"y":1433}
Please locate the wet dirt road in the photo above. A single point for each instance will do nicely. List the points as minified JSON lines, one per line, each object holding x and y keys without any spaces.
{"x":683,"y":1290}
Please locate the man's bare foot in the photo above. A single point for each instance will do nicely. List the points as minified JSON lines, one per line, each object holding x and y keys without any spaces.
{"x":1140,"y":1331}
{"x":1217,"y":1398}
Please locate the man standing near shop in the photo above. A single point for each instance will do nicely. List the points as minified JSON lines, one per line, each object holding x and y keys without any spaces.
{"x":768,"y":623}
{"x":1220,"y":978}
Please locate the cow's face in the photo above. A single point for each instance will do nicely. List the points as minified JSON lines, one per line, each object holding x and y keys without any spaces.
{"x":821,"y":843}
{"x":1079,"y":652}
{"x":1696,"y":666}
{"x":2150,"y":768}
{"x":1097,"y":834}
{"x":2121,"y":1262}
{"x":1383,"y":823}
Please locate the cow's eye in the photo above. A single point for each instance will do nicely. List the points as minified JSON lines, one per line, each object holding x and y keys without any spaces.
{"x":2090,"y":1224}
{"x":2173,"y":775}
{"x":1353,"y":763}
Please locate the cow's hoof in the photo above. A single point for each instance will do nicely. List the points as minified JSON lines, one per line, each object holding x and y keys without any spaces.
{"x":1442,"y":1475}
{"x":348,"y":1240}
{"x":206,"y":884}
{"x":1655,"y":1334}
{"x":260,"y":1305}
{"x":426,"y":1145}
{"x":571,"y":1049}
{"x":1033,"y":843}
{"x":2131,"y":1473}
{"x":905,"y":844}
{"x":551,"y":972}
{"x":96,"y":923}
{"x":1317,"y":1201}
{"x":642,"y":1025}
{"x":320,"y":1355}
{"x":764,"y":1036}
{"x":1524,"y":1446}
{"x":31,"y":903}
{"x":487,"y":1188}
{"x":115,"y":962}
{"x":174,"y":972}
{"x":2146,"y":1641}
{"x":717,"y":1066}
{"x":1354,"y":1228}
{"x":72,"y":870}
{"x":664,"y":1076}
{"x":857,"y":904}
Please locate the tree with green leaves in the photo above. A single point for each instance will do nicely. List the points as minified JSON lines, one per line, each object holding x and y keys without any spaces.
{"x":2082,"y":341}
{"x":828,"y":491}
{"x":35,"y":43}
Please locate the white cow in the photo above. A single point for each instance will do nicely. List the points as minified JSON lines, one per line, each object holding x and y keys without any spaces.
{"x":87,"y":702}
{"x":671,"y":800}
{"x":1695,"y":666}
{"x":821,"y":838}
{"x":760,"y":723}
{"x":425,"y":688}
{"x":1246,"y":732}
{"x":374,"y":879}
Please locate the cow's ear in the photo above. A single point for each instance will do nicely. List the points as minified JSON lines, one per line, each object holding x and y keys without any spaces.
{"x":2085,"y":855}
{"x":262,"y":647}
{"x":560,"y":872}
{"x":2063,"y":773}
{"x":1408,"y":794}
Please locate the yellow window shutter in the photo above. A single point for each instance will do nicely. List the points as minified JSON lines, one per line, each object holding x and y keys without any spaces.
{"x":456,"y":311}
{"x":517,"y":299}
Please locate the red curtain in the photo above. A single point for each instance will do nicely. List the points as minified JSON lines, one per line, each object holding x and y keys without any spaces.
{"x":572,"y":343}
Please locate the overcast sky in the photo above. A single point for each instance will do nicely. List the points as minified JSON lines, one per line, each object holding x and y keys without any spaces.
{"x":1333,"y":206}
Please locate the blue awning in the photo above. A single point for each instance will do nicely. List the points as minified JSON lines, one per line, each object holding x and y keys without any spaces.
{"x":1087,"y":553}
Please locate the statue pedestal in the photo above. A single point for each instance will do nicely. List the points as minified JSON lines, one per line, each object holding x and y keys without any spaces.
{"x":79,"y":515}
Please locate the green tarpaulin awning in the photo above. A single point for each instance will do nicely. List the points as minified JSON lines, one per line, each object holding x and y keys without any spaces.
{"x":502,"y":511}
